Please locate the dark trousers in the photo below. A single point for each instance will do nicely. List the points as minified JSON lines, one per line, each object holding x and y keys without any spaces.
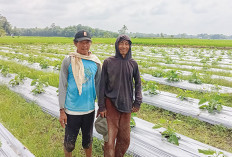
{"x":74,"y":124}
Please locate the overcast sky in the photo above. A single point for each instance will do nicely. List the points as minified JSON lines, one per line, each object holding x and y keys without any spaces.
{"x":144,"y":16}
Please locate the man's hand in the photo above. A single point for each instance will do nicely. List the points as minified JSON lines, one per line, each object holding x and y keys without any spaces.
{"x":102,"y":114}
{"x":63,"y":118}
{"x":134,"y":109}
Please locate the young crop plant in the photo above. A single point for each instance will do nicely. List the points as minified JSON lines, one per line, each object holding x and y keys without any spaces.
{"x":164,"y":53}
{"x":4,"y":70}
{"x":42,"y":49}
{"x":205,"y":60}
{"x":170,"y":133}
{"x":223,"y":53}
{"x":219,"y":58}
{"x":151,"y":87}
{"x":53,"y":51}
{"x":43,"y":64}
{"x":176,"y":52}
{"x":183,"y":94}
{"x":153,"y":50}
{"x":211,"y":153}
{"x":57,"y":66}
{"x":229,"y":53}
{"x":212,"y":102}
{"x":215,"y":62}
{"x":31,"y":59}
{"x":141,"y":48}
{"x":39,"y":86}
{"x":200,"y":55}
{"x":17,"y":80}
{"x":168,"y":60}
{"x":195,"y":78}
{"x":206,"y":66}
{"x":158,"y":73}
{"x":145,"y":64}
{"x":173,"y":75}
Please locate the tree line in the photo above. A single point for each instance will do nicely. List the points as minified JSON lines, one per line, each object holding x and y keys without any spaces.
{"x":57,"y":31}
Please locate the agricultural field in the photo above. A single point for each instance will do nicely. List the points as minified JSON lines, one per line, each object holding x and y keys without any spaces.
{"x":187,"y":90}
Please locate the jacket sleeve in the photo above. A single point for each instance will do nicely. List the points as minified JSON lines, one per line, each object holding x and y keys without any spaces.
{"x":138,"y":88}
{"x":63,"y":81}
{"x":101,"y":100}
{"x":98,"y":79}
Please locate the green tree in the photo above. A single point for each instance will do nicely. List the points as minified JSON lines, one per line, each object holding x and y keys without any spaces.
{"x":2,"y":32}
{"x":5,"y":25}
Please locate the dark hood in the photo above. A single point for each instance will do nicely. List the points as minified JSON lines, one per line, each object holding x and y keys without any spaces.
{"x":119,"y":77}
{"x":117,"y":53}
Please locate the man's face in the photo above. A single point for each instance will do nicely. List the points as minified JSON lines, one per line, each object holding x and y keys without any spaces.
{"x":123,"y":47}
{"x":83,"y":47}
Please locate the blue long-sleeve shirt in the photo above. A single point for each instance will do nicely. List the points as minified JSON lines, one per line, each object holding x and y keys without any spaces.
{"x":69,"y":97}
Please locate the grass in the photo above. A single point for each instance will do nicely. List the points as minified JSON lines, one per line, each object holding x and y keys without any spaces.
{"x":136,"y":41}
{"x":51,"y":78}
{"x":38,"y":131}
{"x":214,"y":135}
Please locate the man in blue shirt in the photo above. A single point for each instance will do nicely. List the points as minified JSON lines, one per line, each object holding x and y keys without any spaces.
{"x":78,"y":86}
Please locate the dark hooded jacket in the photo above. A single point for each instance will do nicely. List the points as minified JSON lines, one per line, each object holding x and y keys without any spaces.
{"x":117,"y":83}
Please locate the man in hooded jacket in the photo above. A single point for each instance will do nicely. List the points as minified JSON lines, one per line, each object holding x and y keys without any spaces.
{"x":117,"y":98}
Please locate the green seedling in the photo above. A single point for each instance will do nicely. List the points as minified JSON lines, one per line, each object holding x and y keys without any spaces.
{"x":4,"y":70}
{"x":151,"y":87}
{"x":212,"y":102}
{"x":195,"y":78}
{"x":168,"y":60}
{"x":183,"y":94}
{"x":43,"y":64}
{"x":17,"y":80}
{"x":141,"y":48}
{"x":173,"y":75}
{"x":170,"y":133}
{"x":154,"y":51}
{"x":205,"y":60}
{"x":211,"y":153}
{"x":215,"y":62}
{"x":57,"y":67}
{"x":158,"y":73}
{"x":39,"y":86}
